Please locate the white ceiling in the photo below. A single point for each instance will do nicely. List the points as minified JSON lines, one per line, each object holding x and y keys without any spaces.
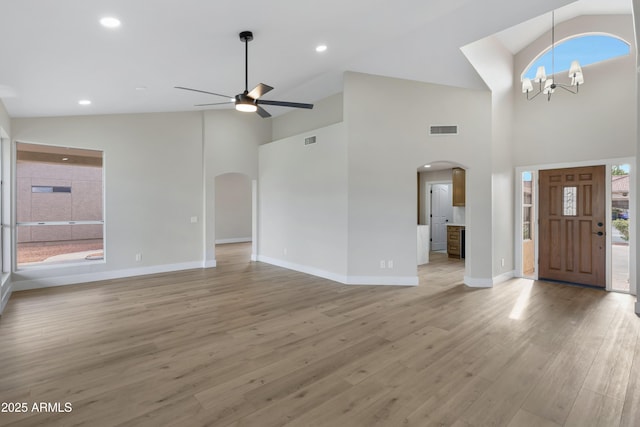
{"x":54,"y":53}
{"x":518,"y":37}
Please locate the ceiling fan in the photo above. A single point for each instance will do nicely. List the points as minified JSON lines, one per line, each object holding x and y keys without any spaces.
{"x":249,"y":101}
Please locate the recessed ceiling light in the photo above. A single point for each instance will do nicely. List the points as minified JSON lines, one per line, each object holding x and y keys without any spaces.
{"x":321,"y":48}
{"x":427,"y":166}
{"x":84,"y":102}
{"x":110,"y":22}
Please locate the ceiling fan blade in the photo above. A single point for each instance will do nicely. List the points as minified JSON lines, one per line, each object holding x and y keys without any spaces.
{"x":215,"y":103}
{"x":262,"y":112}
{"x":284,"y":104}
{"x":202,"y":91}
{"x":259,"y":90}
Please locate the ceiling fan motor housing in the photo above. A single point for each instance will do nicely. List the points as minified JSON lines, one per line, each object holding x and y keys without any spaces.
{"x":243,"y":98}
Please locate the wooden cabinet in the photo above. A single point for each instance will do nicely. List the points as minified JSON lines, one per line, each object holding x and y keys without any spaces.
{"x":459,"y":193}
{"x":454,"y":241}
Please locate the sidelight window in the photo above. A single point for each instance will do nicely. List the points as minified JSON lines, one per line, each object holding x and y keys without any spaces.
{"x":528,"y":220}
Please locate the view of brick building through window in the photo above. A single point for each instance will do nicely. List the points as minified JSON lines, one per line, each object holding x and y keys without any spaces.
{"x":59,"y":205}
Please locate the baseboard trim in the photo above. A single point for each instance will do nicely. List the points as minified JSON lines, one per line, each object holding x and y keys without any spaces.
{"x":254,"y":257}
{"x":233,"y":240}
{"x":23,"y":285}
{"x":346,"y":280}
{"x":638,"y":306}
{"x":210,"y":263}
{"x":303,"y":269}
{"x":504,"y":277}
{"x":472,"y":282}
{"x":383,"y":280}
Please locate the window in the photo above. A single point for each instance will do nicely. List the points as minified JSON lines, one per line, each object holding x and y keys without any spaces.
{"x":528,"y":180}
{"x":527,"y":205}
{"x":59,"y":205}
{"x":587,"y":49}
{"x":620,"y":222}
{"x":49,"y":189}
{"x":570,"y":201}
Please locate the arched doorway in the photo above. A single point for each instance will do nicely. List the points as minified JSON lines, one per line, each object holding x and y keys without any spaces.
{"x":233,"y":218}
{"x":442,"y":218}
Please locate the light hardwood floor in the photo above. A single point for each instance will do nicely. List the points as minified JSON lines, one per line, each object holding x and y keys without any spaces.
{"x":249,"y":344}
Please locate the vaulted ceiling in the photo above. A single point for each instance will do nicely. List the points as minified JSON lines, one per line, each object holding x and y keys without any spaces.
{"x":54,"y":53}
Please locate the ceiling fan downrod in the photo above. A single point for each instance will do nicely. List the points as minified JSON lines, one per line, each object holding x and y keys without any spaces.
{"x":246,"y":37}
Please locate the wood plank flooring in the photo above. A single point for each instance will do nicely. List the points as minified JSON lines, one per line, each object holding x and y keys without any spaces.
{"x":249,"y":344}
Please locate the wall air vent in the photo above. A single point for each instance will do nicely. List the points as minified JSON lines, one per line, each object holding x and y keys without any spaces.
{"x":310,"y":140}
{"x":443,"y":130}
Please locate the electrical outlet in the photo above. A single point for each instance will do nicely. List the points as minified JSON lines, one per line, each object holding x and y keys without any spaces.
{"x":138,"y":257}
{"x":383,"y":264}
{"x":502,"y":262}
{"x":390,"y":263}
{"x":194,"y":219}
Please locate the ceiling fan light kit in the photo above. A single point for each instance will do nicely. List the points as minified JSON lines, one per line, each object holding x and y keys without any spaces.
{"x":245,"y":104}
{"x":547,"y":86}
{"x":249,"y":101}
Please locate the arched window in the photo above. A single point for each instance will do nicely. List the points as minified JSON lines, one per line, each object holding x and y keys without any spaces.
{"x":587,"y":49}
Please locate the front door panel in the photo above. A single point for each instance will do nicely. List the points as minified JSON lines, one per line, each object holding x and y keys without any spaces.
{"x":572,"y":225}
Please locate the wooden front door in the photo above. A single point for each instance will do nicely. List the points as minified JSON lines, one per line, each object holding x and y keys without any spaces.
{"x":572,"y":225}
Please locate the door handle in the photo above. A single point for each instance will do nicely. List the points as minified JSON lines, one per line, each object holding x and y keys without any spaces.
{"x":599,"y":233}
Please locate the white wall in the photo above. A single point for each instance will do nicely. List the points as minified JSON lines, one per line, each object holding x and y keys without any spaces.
{"x":325,"y":112}
{"x":598,"y":123}
{"x":153,"y":186}
{"x":233,"y":208}
{"x":231,"y":141}
{"x":387,"y":130}
{"x":5,"y":121}
{"x":494,"y":64}
{"x":303,"y":203}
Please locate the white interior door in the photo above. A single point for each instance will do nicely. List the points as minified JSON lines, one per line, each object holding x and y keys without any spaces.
{"x":441,"y":214}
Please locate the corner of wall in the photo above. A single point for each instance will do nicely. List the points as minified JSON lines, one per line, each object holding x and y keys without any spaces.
{"x":473,"y":282}
{"x":5,"y":121}
{"x":6,"y":284}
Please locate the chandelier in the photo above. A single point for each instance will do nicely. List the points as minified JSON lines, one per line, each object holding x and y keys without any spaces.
{"x":546,"y":85}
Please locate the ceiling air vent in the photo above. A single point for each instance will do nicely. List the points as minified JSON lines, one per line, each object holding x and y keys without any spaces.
{"x":310,"y":140}
{"x":443,"y":130}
